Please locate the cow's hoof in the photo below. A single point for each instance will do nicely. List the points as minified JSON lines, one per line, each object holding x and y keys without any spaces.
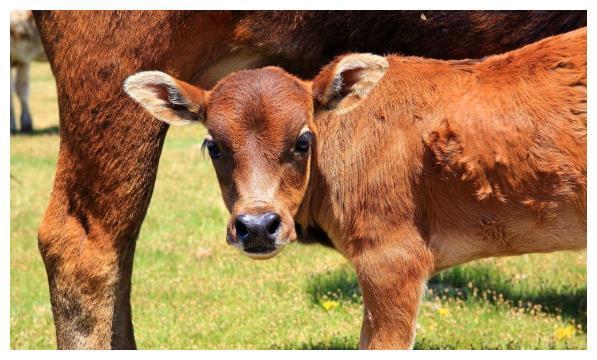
{"x":13,"y":131}
{"x":27,"y":129}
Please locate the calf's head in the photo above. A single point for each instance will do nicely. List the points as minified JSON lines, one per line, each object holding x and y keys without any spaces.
{"x":261,"y":136}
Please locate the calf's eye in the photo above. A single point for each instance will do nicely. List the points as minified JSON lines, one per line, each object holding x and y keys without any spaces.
{"x":303,"y":142}
{"x":212,"y":148}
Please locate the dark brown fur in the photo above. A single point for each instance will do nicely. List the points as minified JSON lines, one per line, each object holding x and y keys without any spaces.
{"x":110,"y":148}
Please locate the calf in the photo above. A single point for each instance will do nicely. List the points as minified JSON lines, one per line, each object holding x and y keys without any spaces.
{"x":407,"y":165}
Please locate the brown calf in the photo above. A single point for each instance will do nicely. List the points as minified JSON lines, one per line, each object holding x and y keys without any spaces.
{"x":109,"y":149}
{"x":408,"y":165}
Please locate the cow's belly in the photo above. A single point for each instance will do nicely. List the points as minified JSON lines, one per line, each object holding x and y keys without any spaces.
{"x":239,"y":60}
{"x":518,"y":232}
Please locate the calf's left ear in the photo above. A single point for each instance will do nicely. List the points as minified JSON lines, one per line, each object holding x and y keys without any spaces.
{"x":346,"y":81}
{"x":166,"y":98}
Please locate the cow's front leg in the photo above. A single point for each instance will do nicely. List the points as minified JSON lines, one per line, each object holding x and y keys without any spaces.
{"x":88,"y":234}
{"x":13,"y":123}
{"x":392,"y":278}
{"x":107,"y":163}
{"x":22,"y":89}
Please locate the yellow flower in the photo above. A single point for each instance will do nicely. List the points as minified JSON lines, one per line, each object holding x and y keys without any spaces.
{"x":443,"y":311}
{"x":564,"y":332}
{"x":329,"y":304}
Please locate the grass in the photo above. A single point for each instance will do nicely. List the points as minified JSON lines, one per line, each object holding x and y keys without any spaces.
{"x":192,"y":291}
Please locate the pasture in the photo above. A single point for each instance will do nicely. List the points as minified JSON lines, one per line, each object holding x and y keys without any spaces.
{"x":192,"y":291}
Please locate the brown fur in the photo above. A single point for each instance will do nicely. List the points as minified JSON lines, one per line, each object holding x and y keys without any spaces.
{"x":110,"y":148}
{"x":430,"y":164}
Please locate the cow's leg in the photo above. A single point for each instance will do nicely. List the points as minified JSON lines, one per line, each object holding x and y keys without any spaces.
{"x":82,"y":275}
{"x":22,"y":90}
{"x":88,"y":234}
{"x":107,"y":163}
{"x":365,"y":337}
{"x":104,"y":179}
{"x":122,"y":320}
{"x":392,"y":279}
{"x":108,"y":157}
{"x":13,"y":123}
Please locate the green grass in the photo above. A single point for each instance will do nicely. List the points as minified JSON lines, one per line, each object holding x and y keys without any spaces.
{"x":192,"y":291}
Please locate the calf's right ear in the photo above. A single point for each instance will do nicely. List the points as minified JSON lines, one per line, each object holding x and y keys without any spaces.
{"x":168,"y":99}
{"x":342,"y":84}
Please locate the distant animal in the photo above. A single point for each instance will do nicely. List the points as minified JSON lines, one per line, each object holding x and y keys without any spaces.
{"x":25,"y":47}
{"x":110,"y":148}
{"x":408,"y":165}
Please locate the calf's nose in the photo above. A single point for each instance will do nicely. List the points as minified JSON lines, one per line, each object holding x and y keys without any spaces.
{"x":253,"y":230}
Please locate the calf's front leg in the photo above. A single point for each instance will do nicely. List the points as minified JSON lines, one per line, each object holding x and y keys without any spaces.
{"x":392,"y":278}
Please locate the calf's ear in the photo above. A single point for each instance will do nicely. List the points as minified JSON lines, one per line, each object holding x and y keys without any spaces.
{"x":166,"y":98}
{"x":346,"y":81}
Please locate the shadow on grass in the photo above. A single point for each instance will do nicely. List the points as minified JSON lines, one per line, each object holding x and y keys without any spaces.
{"x":420,"y":344}
{"x":426,"y":344}
{"x":338,"y":285}
{"x":490,"y":284}
{"x":346,"y":343}
{"x":336,"y":343}
{"x":487,"y":285}
{"x":52,"y":130}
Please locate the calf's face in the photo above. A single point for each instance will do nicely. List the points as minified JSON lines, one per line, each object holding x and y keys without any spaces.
{"x":261,"y":137}
{"x":260,"y":141}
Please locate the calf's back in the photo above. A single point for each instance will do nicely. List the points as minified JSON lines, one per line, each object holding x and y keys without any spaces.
{"x":483,"y":158}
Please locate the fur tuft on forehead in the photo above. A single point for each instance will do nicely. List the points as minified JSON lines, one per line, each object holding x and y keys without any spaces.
{"x":269,"y":82}
{"x":256,"y":97}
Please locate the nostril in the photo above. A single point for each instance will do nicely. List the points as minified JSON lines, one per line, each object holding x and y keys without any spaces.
{"x":274,"y":224}
{"x":241,"y":228}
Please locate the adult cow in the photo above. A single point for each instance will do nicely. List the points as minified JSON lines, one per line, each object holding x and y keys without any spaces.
{"x":110,"y":148}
